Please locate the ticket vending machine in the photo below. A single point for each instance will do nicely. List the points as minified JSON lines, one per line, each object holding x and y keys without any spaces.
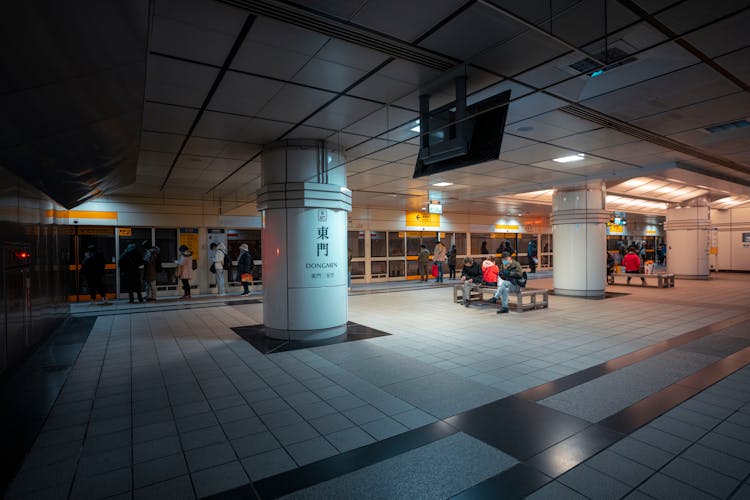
{"x":15,"y":329}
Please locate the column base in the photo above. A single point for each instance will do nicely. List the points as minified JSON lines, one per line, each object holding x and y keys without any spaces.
{"x":592,"y":294}
{"x":303,"y":335}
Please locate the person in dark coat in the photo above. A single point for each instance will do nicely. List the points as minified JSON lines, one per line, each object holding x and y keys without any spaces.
{"x":452,"y":261}
{"x":92,"y":269}
{"x":245,"y":266}
{"x":531,"y":255}
{"x":471,"y":275}
{"x":130,"y":261}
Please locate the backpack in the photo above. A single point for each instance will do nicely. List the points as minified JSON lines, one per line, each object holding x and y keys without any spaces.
{"x":195,"y":264}
{"x":522,"y":280}
{"x":227,"y":261}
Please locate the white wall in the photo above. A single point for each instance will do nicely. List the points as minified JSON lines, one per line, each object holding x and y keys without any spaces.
{"x":733,"y":254}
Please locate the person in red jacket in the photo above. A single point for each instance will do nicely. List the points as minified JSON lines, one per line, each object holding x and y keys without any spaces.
{"x":632,"y":264}
{"x":490,"y":270}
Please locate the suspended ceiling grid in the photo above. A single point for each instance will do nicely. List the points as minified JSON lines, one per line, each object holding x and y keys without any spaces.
{"x":222,"y":81}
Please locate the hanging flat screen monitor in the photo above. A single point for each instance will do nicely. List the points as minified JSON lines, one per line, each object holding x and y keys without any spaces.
{"x":477,"y":141}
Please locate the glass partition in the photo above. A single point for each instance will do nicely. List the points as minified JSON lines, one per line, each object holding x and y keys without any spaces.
{"x":378,"y":244}
{"x":396,"y":244}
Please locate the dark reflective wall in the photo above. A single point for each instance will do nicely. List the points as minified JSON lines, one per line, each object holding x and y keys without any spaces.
{"x":35,"y":256}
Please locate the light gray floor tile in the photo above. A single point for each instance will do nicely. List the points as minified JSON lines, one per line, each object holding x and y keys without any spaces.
{"x":104,"y":462}
{"x":268,"y":464}
{"x":331,"y":423}
{"x":254,"y":444}
{"x":665,"y":488}
{"x":234,"y":413}
{"x":717,"y":461}
{"x":593,"y":484}
{"x":384,"y":428}
{"x":202,"y":437}
{"x":102,"y":485}
{"x":314,"y":410}
{"x":271,"y":405}
{"x":348,"y":439}
{"x":728,"y":445}
{"x":239,"y":428}
{"x":295,"y":433}
{"x":198,"y":421}
{"x":700,"y":477}
{"x":555,"y":491}
{"x":143,"y":452}
{"x":660,"y":439}
{"x":154,"y":431}
{"x":617,"y":466}
{"x":209,"y":456}
{"x":640,"y":452}
{"x":156,"y":471}
{"x":220,"y":478}
{"x":414,"y":418}
{"x":312,"y":450}
{"x":363,"y":414}
{"x":281,"y":418}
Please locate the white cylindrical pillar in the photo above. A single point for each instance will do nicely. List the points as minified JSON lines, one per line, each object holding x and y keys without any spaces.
{"x":579,"y":232}
{"x":304,"y":201}
{"x":688,"y":240}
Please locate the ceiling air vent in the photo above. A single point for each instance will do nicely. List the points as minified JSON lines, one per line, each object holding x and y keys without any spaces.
{"x":728,"y":126}
{"x":614,"y":57}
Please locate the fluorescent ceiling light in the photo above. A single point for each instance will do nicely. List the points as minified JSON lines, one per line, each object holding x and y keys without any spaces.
{"x":568,"y":159}
{"x":443,"y":184}
{"x":415,"y":128}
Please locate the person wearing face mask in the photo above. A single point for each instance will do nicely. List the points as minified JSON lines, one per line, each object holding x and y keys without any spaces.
{"x":510,"y":272}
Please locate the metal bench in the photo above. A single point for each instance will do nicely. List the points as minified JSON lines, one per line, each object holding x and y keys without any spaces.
{"x":536,"y":298}
{"x":663,"y":280}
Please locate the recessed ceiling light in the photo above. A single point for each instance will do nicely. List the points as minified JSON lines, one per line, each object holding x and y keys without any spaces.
{"x":568,"y":159}
{"x":415,"y":128}
{"x":443,"y":184}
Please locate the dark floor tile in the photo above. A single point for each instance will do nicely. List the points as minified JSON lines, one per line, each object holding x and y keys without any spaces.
{"x":256,"y":336}
{"x":516,"y":482}
{"x":565,"y":455}
{"x":518,"y":427}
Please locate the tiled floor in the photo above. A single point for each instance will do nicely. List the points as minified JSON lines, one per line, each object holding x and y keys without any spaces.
{"x":172,"y":403}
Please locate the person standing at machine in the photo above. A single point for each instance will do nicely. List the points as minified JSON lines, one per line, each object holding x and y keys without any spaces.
{"x":92,"y":268}
{"x":185,"y":269}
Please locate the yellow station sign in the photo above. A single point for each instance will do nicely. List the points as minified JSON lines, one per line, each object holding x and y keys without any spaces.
{"x":422,"y":219}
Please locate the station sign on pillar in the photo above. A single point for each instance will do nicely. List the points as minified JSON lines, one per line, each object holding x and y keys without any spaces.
{"x":688,"y":239}
{"x":579,"y":230}
{"x":305,"y":201}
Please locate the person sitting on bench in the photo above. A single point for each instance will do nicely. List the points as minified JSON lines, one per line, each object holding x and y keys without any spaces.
{"x":632,"y":264}
{"x":490,"y":271}
{"x":471,"y":275}
{"x":510,"y":272}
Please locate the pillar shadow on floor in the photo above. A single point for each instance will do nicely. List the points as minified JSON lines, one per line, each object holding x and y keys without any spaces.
{"x":256,"y":336}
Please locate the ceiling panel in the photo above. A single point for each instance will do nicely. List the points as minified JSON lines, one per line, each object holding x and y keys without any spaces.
{"x":348,"y":54}
{"x":723,"y":36}
{"x":380,"y":88}
{"x":243,"y":94}
{"x":239,"y":150}
{"x":225,"y":165}
{"x":293,"y":103}
{"x":178,"y":82}
{"x":366,"y":180}
{"x":255,"y":57}
{"x":696,"y":84}
{"x":516,"y":55}
{"x":407,"y":71}
{"x":532,"y":105}
{"x":383,"y":119}
{"x":214,"y":16}
{"x":594,"y":140}
{"x":156,"y":141}
{"x":267,"y":31}
{"x":204,"y":147}
{"x":303,"y":132}
{"x":193,"y":162}
{"x":403,"y":20}
{"x":737,"y":63}
{"x":395,"y":152}
{"x":535,"y":153}
{"x":328,"y":75}
{"x":715,"y":111}
{"x":164,"y":118}
{"x":155,"y":158}
{"x":263,"y":131}
{"x":693,"y":13}
{"x":487,"y":26}
{"x":190,"y":41}
{"x":341,"y":113}
{"x":362,"y":165}
{"x":221,"y":126}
